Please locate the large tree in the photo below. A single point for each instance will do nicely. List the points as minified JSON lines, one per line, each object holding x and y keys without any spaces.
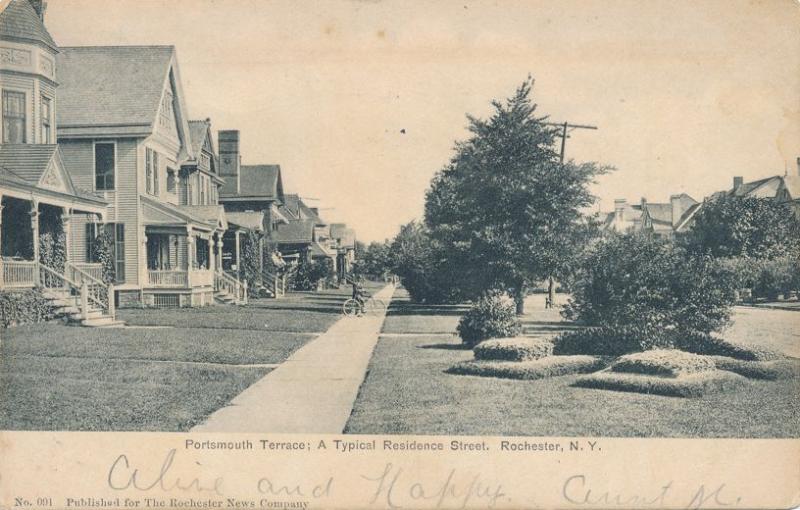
{"x":731,"y":226}
{"x":506,"y":211}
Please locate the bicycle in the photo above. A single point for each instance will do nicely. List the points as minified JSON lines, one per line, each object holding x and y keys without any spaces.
{"x":352,"y":307}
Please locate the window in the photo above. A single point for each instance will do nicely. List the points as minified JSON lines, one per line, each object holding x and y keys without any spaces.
{"x":151,"y":172}
{"x":202,"y":190}
{"x":104,"y":156}
{"x":171,"y":181}
{"x":165,"y":117}
{"x":13,"y":117}
{"x":47,"y":116}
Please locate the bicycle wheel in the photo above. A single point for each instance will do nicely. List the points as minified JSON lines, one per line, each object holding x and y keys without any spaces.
{"x":350,"y":308}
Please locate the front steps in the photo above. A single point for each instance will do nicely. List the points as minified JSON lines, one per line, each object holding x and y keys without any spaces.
{"x":67,"y":305}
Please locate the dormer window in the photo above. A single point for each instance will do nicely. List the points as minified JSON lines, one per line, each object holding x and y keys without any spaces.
{"x":166,"y":117}
{"x":13,"y":117}
{"x":151,"y":172}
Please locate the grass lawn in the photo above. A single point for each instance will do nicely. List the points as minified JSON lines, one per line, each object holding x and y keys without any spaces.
{"x":297,"y":312}
{"x":56,"y":377}
{"x":98,"y":394}
{"x":237,"y":347}
{"x":407,"y":391}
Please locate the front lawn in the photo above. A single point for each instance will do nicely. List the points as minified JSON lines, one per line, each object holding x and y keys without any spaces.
{"x":297,"y":312}
{"x":408,"y":392}
{"x":97,"y":394}
{"x":236,"y":347}
{"x":169,"y":375}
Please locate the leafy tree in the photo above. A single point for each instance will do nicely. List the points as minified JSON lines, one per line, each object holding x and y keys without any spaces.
{"x":103,"y":252}
{"x":730,"y":226}
{"x":637,"y":285}
{"x":417,"y":259}
{"x":505,"y":210}
{"x":250,"y":269}
{"x":375,"y":259}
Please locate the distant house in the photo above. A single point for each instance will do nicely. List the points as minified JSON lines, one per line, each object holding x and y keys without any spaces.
{"x":125,"y":134}
{"x":661,"y":219}
{"x":784,"y":189}
{"x":345,"y":242}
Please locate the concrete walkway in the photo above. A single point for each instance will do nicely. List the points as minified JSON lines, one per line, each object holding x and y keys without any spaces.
{"x":314,"y":390}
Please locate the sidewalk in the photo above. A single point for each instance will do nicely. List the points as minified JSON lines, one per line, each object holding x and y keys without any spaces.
{"x":313,"y":391}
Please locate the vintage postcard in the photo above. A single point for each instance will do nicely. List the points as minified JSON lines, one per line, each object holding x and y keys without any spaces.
{"x":351,"y":254}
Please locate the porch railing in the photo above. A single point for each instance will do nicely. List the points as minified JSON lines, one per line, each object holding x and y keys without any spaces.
{"x":93,"y":296}
{"x":276,"y":283}
{"x":99,"y":293}
{"x":19,"y":273}
{"x":167,"y":278}
{"x":95,"y":270}
{"x":231,"y":286}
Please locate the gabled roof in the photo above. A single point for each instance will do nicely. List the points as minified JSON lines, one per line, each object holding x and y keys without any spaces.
{"x":337,"y":229}
{"x":40,"y":166}
{"x":211,"y":214}
{"x":116,"y":90}
{"x":198,"y":131}
{"x":659,"y":213}
{"x":298,"y":231}
{"x":685,"y":222}
{"x":257,"y":181}
{"x":19,"y":21}
{"x":319,"y":250}
{"x":792,"y":184}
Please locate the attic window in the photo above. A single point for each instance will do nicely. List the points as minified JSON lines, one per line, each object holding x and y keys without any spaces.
{"x":171,"y":181}
{"x":166,"y":117}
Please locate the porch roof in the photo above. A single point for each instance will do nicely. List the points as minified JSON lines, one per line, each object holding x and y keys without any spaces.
{"x":318,"y":250}
{"x":37,"y":171}
{"x":251,"y":220}
{"x":163,"y":214}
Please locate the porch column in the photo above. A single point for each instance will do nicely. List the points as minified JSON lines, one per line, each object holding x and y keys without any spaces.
{"x":35,"y":228}
{"x":219,"y":252}
{"x":238,"y":258}
{"x":212,"y":260}
{"x":66,"y":227}
{"x":144,"y":269}
{"x":190,"y":249}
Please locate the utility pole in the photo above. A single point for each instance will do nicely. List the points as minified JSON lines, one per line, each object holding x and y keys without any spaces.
{"x":551,"y":283}
{"x":564,"y":126}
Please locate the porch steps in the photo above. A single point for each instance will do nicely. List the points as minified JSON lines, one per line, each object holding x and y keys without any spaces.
{"x":224,"y":298}
{"x":67,"y":305}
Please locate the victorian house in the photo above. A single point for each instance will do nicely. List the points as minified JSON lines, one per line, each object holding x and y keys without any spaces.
{"x":125,"y":135}
{"x":42,"y":207}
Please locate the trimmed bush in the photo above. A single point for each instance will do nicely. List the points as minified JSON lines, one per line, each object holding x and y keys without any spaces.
{"x":599,"y":341}
{"x":493,"y":316}
{"x":715,"y":346}
{"x":655,"y":287}
{"x":768,"y":370}
{"x":24,"y":307}
{"x":513,"y":349}
{"x":550,"y":366}
{"x":687,"y":385}
{"x":663,"y":362}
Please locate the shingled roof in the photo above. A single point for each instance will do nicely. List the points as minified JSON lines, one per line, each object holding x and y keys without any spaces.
{"x":26,"y":164}
{"x":299,"y":231}
{"x":19,"y":21}
{"x":257,"y":181}
{"x":116,"y":88}
{"x":198,"y":129}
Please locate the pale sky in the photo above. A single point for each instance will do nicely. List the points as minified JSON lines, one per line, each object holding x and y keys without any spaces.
{"x":686,"y":94}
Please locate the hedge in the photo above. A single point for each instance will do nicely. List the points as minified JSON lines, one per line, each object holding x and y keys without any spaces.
{"x":513,"y":349}
{"x":688,"y":385}
{"x":24,"y":307}
{"x":663,"y":362}
{"x":493,"y":316}
{"x":768,"y":370}
{"x":550,"y":366}
{"x":715,"y":346}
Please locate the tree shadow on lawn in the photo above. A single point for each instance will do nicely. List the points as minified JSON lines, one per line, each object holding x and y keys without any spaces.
{"x":446,"y":347}
{"x":425,"y":311}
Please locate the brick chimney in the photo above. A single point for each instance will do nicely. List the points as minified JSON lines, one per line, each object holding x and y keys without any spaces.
{"x":737,"y":181}
{"x":230,"y":160}
{"x":39,"y":6}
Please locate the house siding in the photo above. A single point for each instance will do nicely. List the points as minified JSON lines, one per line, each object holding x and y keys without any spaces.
{"x":78,"y":156}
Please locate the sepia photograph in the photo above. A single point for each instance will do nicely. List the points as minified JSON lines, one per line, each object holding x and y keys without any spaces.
{"x":380,"y":218}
